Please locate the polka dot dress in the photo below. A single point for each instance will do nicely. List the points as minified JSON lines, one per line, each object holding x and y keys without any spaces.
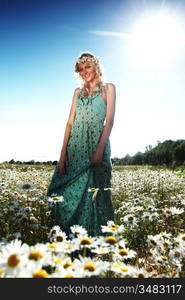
{"x":80,"y":205}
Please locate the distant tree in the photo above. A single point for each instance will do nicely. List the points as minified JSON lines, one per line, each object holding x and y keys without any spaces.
{"x":179,"y":154}
{"x":137,"y":159}
{"x":115,"y":160}
{"x":18,"y":162}
{"x":127,"y":160}
{"x":12,"y":161}
{"x":148,"y":148}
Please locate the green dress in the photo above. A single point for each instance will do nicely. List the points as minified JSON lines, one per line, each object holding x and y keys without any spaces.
{"x":79,"y":206}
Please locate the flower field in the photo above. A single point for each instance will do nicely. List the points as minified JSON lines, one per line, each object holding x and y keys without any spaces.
{"x":146,"y":240}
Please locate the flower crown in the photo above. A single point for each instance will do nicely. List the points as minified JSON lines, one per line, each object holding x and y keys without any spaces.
{"x":85,"y":59}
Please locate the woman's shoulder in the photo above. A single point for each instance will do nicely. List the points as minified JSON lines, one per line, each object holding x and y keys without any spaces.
{"x":76,"y":91}
{"x":110,"y":86}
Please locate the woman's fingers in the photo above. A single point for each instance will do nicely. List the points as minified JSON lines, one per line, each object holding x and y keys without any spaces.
{"x":62,"y":166}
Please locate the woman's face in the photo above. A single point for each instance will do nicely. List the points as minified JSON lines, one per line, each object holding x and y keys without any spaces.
{"x":87,"y":71}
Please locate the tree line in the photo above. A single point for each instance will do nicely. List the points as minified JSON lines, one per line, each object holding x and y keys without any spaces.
{"x":169,"y":153}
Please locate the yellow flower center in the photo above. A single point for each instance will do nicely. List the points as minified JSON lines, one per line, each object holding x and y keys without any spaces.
{"x":177,"y":253}
{"x":57,"y":260}
{"x":52,"y":246}
{"x":114,"y":227}
{"x":149,"y":268}
{"x":56,"y":198}
{"x":35,"y":255}
{"x":86,"y":241}
{"x":183,"y":237}
{"x":59,"y":238}
{"x":1,"y":272}
{"x":164,"y":257}
{"x":123,"y":252}
{"x":111,"y":240}
{"x":124,"y":269}
{"x":67,"y":264}
{"x":116,"y":266}
{"x":26,"y":186}
{"x":141,"y":275}
{"x":13,"y":260}
{"x":68,"y":276}
{"x":90,"y":266}
{"x":40,"y":274}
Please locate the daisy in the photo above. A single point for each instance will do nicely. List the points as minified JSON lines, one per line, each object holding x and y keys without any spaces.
{"x":100,"y":250}
{"x":38,"y":255}
{"x":40,"y":274}
{"x":56,"y":231}
{"x":112,"y":228}
{"x":177,"y":253}
{"x":176,"y":211}
{"x":55,"y":198}
{"x":55,"y":247}
{"x":68,"y":273}
{"x":91,"y":267}
{"x":78,"y":230}
{"x":129,"y":219}
{"x":120,"y":268}
{"x":123,"y":254}
{"x":57,"y":260}
{"x":70,"y":246}
{"x":26,"y":186}
{"x":83,"y":242}
{"x":139,"y":273}
{"x":33,"y":271}
{"x":13,"y":258}
{"x":111,"y":240}
{"x":172,"y":211}
{"x":180,"y":239}
{"x":67,"y":263}
{"x":60,"y":237}
{"x":154,"y":216}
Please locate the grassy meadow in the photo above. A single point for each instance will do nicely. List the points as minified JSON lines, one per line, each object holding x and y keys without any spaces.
{"x":146,"y":240}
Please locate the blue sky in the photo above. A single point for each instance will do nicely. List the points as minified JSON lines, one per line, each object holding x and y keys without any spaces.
{"x":39,"y":44}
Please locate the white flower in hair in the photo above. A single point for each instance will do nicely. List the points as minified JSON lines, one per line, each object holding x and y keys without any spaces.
{"x":87,"y":59}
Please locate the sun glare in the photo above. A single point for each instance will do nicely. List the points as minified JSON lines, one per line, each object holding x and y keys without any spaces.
{"x":156,"y":41}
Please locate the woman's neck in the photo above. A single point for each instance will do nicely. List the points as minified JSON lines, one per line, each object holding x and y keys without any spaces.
{"x":91,"y":86}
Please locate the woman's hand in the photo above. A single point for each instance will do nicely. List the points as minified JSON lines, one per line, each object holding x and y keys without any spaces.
{"x":63,"y":164}
{"x":97,"y":158}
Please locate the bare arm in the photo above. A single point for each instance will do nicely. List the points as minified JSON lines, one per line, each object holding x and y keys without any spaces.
{"x":111,"y":99}
{"x":69,"y":124}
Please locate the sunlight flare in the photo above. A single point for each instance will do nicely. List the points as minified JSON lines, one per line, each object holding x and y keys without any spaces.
{"x":156,"y":41}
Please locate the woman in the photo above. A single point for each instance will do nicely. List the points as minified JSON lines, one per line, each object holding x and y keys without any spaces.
{"x":83,"y":172}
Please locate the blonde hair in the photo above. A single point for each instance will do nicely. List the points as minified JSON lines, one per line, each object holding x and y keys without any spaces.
{"x":100,"y":84}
